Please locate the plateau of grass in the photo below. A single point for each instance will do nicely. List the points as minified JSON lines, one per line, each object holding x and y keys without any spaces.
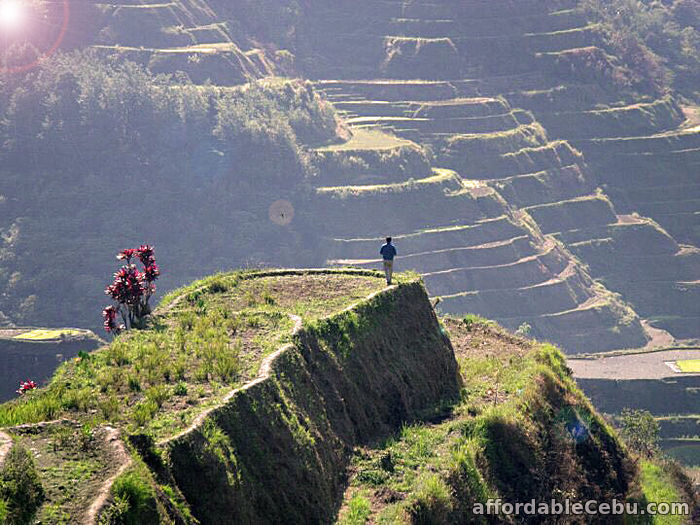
{"x":365,"y":139}
{"x":689,"y":365}
{"x":48,"y":334}
{"x":438,"y":178}
{"x":205,"y":340}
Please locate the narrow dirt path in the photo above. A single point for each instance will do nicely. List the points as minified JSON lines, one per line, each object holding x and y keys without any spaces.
{"x":120,"y":451}
{"x":263,"y":373}
{"x":5,"y":446}
{"x":121,"y":456}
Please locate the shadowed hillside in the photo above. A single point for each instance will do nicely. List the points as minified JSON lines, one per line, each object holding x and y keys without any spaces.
{"x":526,"y":170}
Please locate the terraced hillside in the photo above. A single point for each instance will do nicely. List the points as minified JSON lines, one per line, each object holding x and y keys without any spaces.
{"x":478,"y":256}
{"x":185,"y":35}
{"x":453,"y":77}
{"x":468,"y":123}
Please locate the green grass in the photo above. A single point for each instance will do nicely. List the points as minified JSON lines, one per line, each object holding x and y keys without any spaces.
{"x":658,"y":487}
{"x":359,"y":510}
{"x":689,"y":365}
{"x":518,"y":406}
{"x":207,"y":338}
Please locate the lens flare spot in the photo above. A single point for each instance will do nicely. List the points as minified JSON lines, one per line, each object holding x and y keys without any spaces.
{"x":573,"y":424}
{"x":11,"y":14}
{"x":281,"y":212}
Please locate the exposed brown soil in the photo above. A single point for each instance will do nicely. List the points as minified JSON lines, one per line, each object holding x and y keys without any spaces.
{"x":658,"y":338}
{"x":77,"y":466}
{"x":5,"y":446}
{"x":484,"y":340}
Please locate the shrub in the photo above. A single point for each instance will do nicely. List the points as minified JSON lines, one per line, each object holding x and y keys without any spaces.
{"x":144,"y":412}
{"x":159,"y":394}
{"x":640,"y":431}
{"x":658,"y":41}
{"x":180,"y":389}
{"x":132,"y":290}
{"x":20,"y":488}
{"x":26,"y":386}
{"x":524,"y":330}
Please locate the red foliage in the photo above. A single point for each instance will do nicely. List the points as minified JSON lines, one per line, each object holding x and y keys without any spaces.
{"x":26,"y":386}
{"x":132,"y":289}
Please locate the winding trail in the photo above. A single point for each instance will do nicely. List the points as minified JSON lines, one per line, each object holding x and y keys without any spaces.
{"x":121,"y":454}
{"x":118,"y":451}
{"x":263,"y":373}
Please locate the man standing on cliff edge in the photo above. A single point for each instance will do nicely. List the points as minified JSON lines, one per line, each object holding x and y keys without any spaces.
{"x":388,"y":252}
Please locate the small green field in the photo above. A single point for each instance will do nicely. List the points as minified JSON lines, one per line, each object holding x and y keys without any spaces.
{"x":658,"y":487}
{"x":689,"y":365}
{"x":368,"y":139}
{"x":48,"y":334}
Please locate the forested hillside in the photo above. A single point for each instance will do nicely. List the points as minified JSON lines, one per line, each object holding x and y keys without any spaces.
{"x":536,"y":162}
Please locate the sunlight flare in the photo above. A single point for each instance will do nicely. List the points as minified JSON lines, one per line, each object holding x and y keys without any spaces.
{"x":11,"y":14}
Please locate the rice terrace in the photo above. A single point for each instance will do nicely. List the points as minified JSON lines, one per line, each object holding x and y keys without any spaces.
{"x":396,"y":261}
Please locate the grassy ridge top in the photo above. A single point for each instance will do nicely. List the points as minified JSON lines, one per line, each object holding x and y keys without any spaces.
{"x":204,"y":340}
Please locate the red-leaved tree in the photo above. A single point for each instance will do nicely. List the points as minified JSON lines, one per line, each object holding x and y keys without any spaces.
{"x":132,"y":289}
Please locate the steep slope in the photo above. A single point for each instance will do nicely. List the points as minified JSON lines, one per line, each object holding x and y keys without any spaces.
{"x":243,"y":396}
{"x":477,"y":255}
{"x":186,"y":35}
{"x":476,"y":53}
{"x":255,"y":387}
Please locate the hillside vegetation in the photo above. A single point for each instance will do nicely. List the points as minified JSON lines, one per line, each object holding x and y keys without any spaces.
{"x":80,"y":173}
{"x":259,"y":397}
{"x":570,"y":128}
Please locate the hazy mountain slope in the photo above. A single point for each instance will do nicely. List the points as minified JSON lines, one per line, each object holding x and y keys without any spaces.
{"x":475,"y":52}
{"x":448,"y":77}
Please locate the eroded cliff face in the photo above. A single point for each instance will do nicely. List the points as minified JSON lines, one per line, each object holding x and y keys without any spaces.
{"x":277,"y":451}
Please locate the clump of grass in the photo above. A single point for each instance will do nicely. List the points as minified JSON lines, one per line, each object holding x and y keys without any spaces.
{"x":180,"y":389}
{"x":471,"y":321}
{"x":144,"y":412}
{"x":134,"y":383}
{"x":109,"y":407}
{"x":158,"y":394}
{"x":432,"y":502}
{"x":134,"y":501}
{"x":359,"y":509}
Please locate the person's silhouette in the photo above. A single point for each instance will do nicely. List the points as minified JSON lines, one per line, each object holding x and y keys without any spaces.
{"x":388,"y":252}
